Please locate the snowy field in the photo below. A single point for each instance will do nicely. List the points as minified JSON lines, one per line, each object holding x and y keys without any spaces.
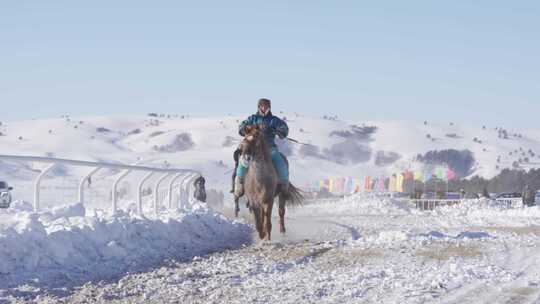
{"x":354,"y":250}
{"x":358,"y":249}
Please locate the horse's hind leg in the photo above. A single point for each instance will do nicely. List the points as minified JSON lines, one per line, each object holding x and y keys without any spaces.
{"x":282,"y":213}
{"x":249,"y":207}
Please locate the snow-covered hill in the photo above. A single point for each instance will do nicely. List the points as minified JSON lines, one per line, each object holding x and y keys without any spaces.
{"x":337,"y":148}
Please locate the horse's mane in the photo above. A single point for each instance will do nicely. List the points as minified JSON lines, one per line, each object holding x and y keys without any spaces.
{"x":255,"y":137}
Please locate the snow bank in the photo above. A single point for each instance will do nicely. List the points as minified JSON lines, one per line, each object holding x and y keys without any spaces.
{"x":372,"y":204}
{"x":365,"y":216}
{"x":365,"y":204}
{"x":66,"y":246}
{"x":487,"y":207}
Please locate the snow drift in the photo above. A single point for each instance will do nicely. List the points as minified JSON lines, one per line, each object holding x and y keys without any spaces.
{"x":67,"y":246}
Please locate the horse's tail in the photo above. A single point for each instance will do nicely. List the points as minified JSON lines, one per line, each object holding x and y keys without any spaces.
{"x":295,"y":197}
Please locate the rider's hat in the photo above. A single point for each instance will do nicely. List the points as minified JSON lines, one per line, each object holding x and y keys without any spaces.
{"x":263,"y":101}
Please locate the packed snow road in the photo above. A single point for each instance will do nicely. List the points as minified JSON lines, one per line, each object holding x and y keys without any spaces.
{"x":354,"y":250}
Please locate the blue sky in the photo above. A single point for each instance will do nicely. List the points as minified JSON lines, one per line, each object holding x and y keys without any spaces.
{"x":463,"y":61}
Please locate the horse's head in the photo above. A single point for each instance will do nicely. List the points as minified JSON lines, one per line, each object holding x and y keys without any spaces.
{"x":253,"y":145}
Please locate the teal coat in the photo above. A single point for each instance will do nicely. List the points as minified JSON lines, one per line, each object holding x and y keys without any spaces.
{"x":274,"y":126}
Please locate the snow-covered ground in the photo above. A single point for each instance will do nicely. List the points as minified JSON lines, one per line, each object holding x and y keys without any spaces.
{"x":358,"y":249}
{"x":68,"y":246}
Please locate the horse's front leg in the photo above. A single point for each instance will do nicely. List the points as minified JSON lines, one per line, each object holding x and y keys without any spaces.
{"x":236,"y":207}
{"x":282,"y":213}
{"x":258,"y":213}
{"x":267,"y":216}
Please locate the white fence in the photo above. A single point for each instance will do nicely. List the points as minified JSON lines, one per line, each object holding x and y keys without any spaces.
{"x":430,"y":204}
{"x":181,"y":178}
{"x":511,"y":202}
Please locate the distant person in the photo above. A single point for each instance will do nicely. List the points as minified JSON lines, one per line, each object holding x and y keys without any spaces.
{"x":527,"y":196}
{"x":418,"y":193}
{"x":200,"y":190}
{"x":485,"y":193}
{"x":441,"y":194}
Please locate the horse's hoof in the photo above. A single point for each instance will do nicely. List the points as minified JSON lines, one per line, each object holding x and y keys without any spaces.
{"x":263,"y":243}
{"x":282,"y":230}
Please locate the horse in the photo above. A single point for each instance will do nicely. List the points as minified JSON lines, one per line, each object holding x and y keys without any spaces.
{"x":261,"y":183}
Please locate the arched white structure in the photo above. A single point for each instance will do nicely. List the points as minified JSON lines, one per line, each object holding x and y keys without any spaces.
{"x":139,"y":191}
{"x":171,"y":183}
{"x":83,"y":181}
{"x":100,"y":165}
{"x":156,"y":191}
{"x":37,"y":184}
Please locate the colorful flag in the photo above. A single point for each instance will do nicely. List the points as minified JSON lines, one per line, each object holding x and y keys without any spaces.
{"x":327,"y":184}
{"x":341,"y":185}
{"x":440,"y":173}
{"x":408,"y":175}
{"x":357,"y":185}
{"x":392,"y":185}
{"x":367,"y":183}
{"x":349,"y":185}
{"x":427,"y":176}
{"x":450,"y":174}
{"x":399,"y":182}
{"x":382,"y":186}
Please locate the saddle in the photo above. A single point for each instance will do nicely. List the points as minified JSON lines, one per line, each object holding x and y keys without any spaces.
{"x":236,"y":156}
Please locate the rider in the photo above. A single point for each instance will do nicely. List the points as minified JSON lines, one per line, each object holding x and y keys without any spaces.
{"x":272,"y":126}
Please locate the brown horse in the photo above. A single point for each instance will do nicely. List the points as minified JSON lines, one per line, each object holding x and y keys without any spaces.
{"x":261,"y":183}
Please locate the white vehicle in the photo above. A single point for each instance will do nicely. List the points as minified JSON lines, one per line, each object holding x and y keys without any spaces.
{"x":5,"y":195}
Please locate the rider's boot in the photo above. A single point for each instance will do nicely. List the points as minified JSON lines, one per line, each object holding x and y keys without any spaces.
{"x":238,"y":187}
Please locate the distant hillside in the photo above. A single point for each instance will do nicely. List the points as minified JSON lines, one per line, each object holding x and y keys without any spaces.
{"x":336,"y":148}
